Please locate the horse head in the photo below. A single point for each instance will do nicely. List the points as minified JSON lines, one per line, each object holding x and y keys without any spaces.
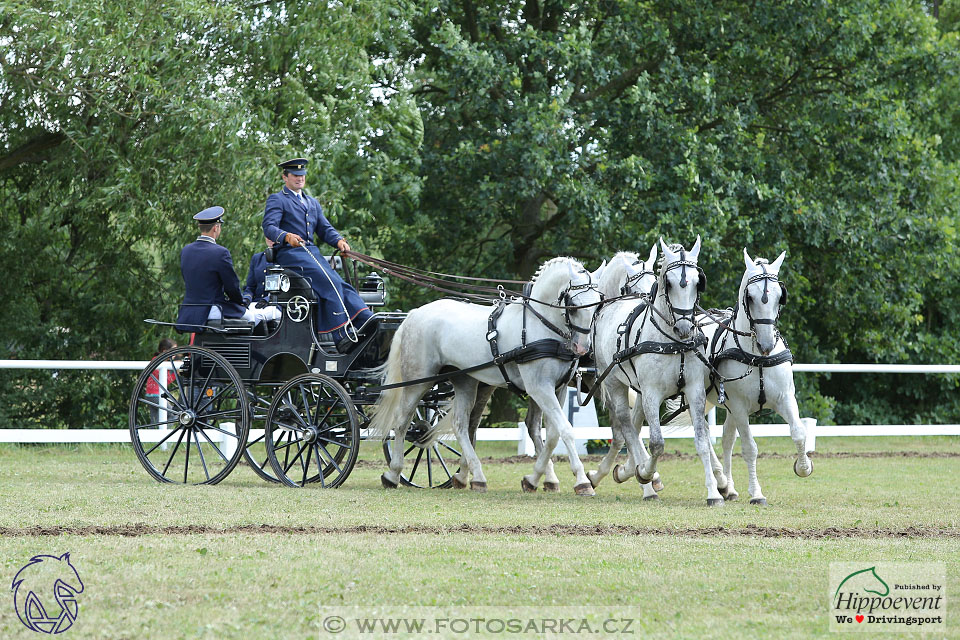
{"x":571,"y":296}
{"x":762,"y":295}
{"x":679,"y":285}
{"x":44,"y":585}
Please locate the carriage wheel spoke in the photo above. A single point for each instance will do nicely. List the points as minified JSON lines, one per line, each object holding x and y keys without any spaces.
{"x":215,"y":447}
{"x":250,"y":443}
{"x":449,"y":448}
{"x":224,"y":432}
{"x":332,"y":459}
{"x":186,"y":464}
{"x":203,"y":460}
{"x":409,"y":449}
{"x":429,"y":469}
{"x":306,"y":403}
{"x":164,"y":439}
{"x":174,"y":452}
{"x":305,"y":463}
{"x":443,"y":464}
{"x":316,"y":453}
{"x":216,"y":396}
{"x":294,"y":461}
{"x":156,"y":424}
{"x":416,"y":463}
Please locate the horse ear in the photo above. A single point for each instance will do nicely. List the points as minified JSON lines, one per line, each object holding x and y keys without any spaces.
{"x":668,"y":256}
{"x":573,"y":274}
{"x":747,"y":260}
{"x":783,"y":294}
{"x":596,"y":275}
{"x":702,"y":283}
{"x":652,"y":259}
{"x":775,"y":267}
{"x":695,"y":250}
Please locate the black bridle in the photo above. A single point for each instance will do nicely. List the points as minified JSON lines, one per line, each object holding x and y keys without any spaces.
{"x":682,"y":264}
{"x":767,"y":278}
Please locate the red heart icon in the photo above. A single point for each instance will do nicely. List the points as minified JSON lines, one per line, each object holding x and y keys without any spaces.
{"x":859,"y":618}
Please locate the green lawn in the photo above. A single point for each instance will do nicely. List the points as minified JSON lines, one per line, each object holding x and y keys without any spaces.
{"x":676,"y":567}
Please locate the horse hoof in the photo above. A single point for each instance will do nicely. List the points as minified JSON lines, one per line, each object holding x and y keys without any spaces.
{"x":592,"y":477}
{"x":479,"y":487}
{"x":641,"y":479}
{"x":714,"y":502}
{"x":458,"y":483}
{"x":585,"y":489}
{"x":526,"y":486}
{"x":617,"y":470}
{"x":387,"y":484}
{"x":796,"y":471}
{"x":651,"y":497}
{"x":759,"y":501}
{"x":553,"y":487}
{"x":657,"y":483}
{"x":725,"y":491}
{"x":732,"y":496}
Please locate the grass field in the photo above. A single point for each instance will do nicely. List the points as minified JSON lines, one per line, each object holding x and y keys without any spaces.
{"x":248,"y":559}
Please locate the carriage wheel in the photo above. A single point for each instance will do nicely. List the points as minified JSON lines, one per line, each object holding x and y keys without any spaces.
{"x":195,"y":430}
{"x":312,"y":432}
{"x":255,"y":453}
{"x":433,"y":464}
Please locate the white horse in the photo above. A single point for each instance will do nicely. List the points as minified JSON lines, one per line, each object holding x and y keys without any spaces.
{"x":627,"y":277}
{"x":447,"y":335}
{"x":756,"y":369}
{"x":659,"y":355}
{"x":624,"y":275}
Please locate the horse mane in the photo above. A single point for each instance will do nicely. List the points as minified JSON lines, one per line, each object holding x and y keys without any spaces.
{"x":674,"y":247}
{"x":550,"y":263}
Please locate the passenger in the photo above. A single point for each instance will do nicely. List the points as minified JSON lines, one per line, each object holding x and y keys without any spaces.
{"x":254,"y":293}
{"x":291,"y":219}
{"x":212,"y":289}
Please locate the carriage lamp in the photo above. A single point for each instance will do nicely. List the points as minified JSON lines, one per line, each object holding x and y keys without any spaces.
{"x":276,"y":282}
{"x":372,"y":290}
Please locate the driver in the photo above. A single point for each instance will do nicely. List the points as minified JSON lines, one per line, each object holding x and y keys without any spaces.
{"x":212,"y":289}
{"x":291,"y":219}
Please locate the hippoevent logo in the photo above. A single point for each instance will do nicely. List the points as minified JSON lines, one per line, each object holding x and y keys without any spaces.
{"x":887,"y":597}
{"x":45,"y":593}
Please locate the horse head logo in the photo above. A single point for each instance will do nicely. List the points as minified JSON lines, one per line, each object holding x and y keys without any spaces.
{"x":44,"y":585}
{"x":866,"y":580}
{"x":298,"y":308}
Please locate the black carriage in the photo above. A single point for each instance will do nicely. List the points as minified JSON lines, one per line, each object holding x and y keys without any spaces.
{"x":275,"y":395}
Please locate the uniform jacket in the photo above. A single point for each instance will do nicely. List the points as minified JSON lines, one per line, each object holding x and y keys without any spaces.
{"x":254,"y":289}
{"x":209,"y":279}
{"x":285,"y":214}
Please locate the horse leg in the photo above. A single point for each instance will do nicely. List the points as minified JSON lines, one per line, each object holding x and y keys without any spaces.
{"x":408,"y":404}
{"x":612,"y":400}
{"x":803,"y":466}
{"x":748,"y":446}
{"x":464,"y":401}
{"x":648,"y":408}
{"x":557,"y":426}
{"x":701,"y":437}
{"x":534,"y":421}
{"x":729,"y":438}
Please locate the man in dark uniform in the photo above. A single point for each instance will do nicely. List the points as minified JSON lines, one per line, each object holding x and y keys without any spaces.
{"x":254,"y":293}
{"x":291,"y":220}
{"x":211,"y":284}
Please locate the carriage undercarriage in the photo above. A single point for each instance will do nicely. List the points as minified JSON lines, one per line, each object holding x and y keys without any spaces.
{"x":277,"y":398}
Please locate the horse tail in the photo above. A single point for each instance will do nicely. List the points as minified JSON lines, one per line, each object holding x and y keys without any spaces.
{"x":384,"y":412}
{"x":444,"y":430}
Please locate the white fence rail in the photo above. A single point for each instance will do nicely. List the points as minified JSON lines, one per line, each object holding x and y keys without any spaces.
{"x":514,"y":435}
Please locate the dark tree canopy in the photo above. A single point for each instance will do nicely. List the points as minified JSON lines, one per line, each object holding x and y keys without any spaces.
{"x":483,"y":138}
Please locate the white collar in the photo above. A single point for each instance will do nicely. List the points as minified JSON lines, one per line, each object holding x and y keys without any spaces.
{"x":296,"y":193}
{"x":206,"y":239}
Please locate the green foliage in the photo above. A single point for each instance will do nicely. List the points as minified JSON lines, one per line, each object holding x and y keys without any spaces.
{"x":483,"y":137}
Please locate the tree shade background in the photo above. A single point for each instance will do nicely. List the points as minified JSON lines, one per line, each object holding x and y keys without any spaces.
{"x":484,"y":138}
